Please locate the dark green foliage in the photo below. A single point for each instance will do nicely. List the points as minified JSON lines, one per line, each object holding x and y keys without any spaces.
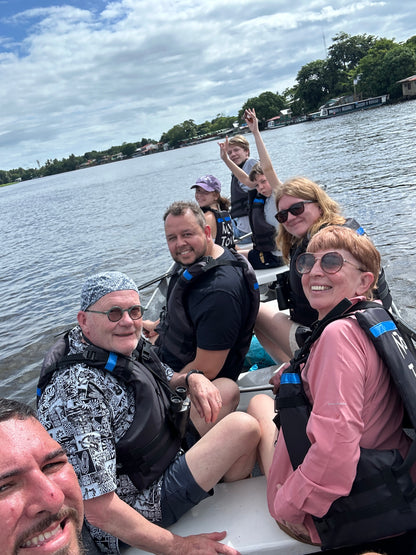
{"x":384,"y":65}
{"x":267,"y":105}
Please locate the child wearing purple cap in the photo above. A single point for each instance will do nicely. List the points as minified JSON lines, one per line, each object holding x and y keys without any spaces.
{"x":216,"y":209}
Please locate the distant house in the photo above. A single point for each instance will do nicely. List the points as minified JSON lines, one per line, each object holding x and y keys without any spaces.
{"x":117,"y":156}
{"x":408,"y":86}
{"x":149,"y":148}
{"x":283,"y":118}
{"x":146,"y":149}
{"x":273,"y":122}
{"x":88,"y":163}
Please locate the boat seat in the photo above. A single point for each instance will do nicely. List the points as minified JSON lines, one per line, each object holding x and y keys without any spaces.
{"x":255,"y":382}
{"x":269,"y":274}
{"x":240,"y":508}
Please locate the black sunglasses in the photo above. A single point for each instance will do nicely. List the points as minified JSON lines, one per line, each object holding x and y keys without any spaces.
{"x":296,"y":209}
{"x":331,"y":263}
{"x":115,"y":313}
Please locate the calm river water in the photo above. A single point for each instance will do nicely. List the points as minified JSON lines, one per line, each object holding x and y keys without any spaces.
{"x":57,"y":230}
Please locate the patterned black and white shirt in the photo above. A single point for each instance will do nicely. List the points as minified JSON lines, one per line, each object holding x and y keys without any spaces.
{"x":87,"y":411}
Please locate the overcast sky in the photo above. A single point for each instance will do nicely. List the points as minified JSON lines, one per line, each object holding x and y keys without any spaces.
{"x":79,"y":75}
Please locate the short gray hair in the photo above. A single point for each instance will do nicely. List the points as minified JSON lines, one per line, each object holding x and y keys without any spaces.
{"x":180,"y":207}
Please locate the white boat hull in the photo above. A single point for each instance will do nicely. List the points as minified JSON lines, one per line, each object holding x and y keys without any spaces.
{"x":239,"y":508}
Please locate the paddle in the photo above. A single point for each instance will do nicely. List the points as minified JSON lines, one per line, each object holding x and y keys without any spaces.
{"x":403,"y":326}
{"x":243,"y":237}
{"x":156,"y":280}
{"x":254,"y":388}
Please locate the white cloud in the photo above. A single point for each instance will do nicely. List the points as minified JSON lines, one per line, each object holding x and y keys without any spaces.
{"x":92,"y":74}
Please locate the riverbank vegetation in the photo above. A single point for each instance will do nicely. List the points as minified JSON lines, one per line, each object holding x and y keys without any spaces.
{"x":359,"y":65}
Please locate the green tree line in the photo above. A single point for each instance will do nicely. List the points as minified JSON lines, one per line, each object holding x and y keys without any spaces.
{"x":361,"y":65}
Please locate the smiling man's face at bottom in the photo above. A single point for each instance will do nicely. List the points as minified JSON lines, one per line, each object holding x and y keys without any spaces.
{"x":41,"y":507}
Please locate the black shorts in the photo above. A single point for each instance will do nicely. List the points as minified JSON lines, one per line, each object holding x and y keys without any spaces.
{"x":180,"y":492}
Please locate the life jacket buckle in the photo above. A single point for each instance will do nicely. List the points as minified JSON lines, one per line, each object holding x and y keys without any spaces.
{"x":90,"y":354}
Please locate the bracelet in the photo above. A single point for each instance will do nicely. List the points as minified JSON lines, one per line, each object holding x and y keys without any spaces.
{"x":192,"y":372}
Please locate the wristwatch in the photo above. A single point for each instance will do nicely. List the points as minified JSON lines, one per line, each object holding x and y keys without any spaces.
{"x":192,"y":372}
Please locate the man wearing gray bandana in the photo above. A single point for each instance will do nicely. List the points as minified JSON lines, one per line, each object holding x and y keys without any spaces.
{"x":99,"y":395}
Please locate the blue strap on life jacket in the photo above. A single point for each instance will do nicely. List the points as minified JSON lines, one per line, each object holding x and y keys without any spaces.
{"x":111,"y":362}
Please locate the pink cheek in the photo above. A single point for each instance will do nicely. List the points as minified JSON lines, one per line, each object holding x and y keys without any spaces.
{"x":10,"y":521}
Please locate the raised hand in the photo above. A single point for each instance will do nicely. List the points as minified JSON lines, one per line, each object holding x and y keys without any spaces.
{"x":251,"y":119}
{"x":224,"y":149}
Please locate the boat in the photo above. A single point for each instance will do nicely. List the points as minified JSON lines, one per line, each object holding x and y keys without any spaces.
{"x":333,"y":108}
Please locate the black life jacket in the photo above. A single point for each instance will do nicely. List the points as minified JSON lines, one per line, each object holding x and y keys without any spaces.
{"x":177,"y":337}
{"x":299,"y":307}
{"x":153,"y":439}
{"x":382,"y":501}
{"x":263,"y":233}
{"x":239,"y":198}
{"x":225,"y":233}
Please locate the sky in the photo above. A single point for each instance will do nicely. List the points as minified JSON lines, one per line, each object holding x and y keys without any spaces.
{"x":82,"y":75}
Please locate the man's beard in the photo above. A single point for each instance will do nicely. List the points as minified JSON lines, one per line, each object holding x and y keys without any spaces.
{"x":197,"y":257}
{"x":67,"y":514}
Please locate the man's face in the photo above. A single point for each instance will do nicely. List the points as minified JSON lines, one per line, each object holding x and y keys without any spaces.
{"x":41,"y":507}
{"x":187,"y":241}
{"x":237,"y":154}
{"x":120,"y":337}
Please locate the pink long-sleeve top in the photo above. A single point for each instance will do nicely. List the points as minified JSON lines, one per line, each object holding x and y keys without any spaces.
{"x":354,"y":405}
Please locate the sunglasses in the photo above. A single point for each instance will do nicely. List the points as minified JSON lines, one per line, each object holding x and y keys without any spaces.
{"x":296,"y":209}
{"x":115,"y":313}
{"x":331,"y":263}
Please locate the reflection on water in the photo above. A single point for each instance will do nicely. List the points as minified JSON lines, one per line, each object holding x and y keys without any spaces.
{"x":57,"y":230}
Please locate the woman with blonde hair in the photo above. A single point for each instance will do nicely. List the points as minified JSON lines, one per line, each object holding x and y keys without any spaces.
{"x":305,"y":189}
{"x":303,"y":208}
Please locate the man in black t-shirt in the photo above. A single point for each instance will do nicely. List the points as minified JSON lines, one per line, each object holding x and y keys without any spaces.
{"x":208,"y":323}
